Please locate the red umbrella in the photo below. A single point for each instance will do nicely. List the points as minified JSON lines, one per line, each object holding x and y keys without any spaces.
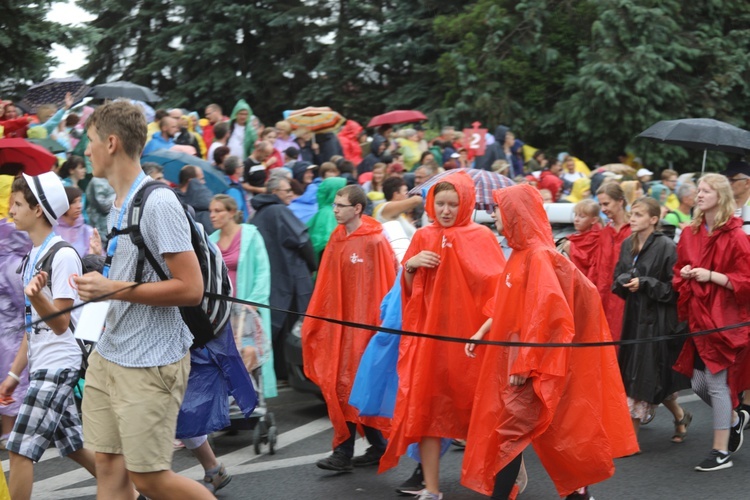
{"x":396,"y":117}
{"x":34,"y":158}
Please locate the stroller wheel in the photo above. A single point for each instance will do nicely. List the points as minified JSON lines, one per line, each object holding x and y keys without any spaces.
{"x":272,"y":433}
{"x":257,"y":438}
{"x":270,"y":419}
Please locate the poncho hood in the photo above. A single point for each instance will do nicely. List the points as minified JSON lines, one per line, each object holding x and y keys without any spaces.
{"x":466,"y":198}
{"x":525,"y":223}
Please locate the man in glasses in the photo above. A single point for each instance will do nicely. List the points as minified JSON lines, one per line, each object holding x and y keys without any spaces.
{"x":357,"y":269}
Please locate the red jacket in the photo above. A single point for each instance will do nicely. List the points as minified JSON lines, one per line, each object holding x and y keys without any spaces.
{"x":349,"y":139}
{"x":548,"y":180}
{"x":707,"y":305}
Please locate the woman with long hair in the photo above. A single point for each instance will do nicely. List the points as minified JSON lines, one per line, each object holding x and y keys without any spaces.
{"x":643,"y":278}
{"x":245,"y":255}
{"x":599,"y":264}
{"x":450,"y":272}
{"x":712,"y":277}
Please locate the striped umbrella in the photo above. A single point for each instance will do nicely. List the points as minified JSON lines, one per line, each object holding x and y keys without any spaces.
{"x":484,"y":183}
{"x":319,"y":120}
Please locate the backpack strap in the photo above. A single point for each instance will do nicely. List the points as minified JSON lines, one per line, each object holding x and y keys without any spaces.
{"x":46,"y":266}
{"x":134,"y":231}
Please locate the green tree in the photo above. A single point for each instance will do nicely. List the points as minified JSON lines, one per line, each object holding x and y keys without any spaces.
{"x":194,"y":53}
{"x":506,"y":61}
{"x":26,"y":38}
{"x":652,"y":60}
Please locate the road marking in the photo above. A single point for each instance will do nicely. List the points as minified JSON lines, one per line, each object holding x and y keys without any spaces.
{"x":45,"y":488}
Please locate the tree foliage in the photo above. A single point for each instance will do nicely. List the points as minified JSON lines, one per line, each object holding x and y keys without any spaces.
{"x":26,"y":38}
{"x":584,"y":75}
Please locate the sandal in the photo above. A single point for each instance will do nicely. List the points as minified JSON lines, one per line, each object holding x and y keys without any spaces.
{"x":679,"y":437}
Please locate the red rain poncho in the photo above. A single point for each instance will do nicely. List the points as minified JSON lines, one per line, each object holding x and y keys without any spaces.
{"x":597,"y":259}
{"x":582,"y":247}
{"x":436,"y":384}
{"x":355,"y":274}
{"x":573,"y":407}
{"x":706,"y":305}
{"x":349,"y":139}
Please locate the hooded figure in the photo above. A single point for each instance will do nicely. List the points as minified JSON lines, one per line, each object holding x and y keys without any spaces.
{"x":572,"y":406}
{"x":436,"y":384}
{"x":329,"y":146}
{"x":349,"y":139}
{"x":377,"y":147}
{"x":494,"y":151}
{"x":14,"y":245}
{"x":251,"y":135}
{"x":323,"y":222}
{"x":356,"y":272}
{"x":198,"y":196}
{"x":292,"y":264}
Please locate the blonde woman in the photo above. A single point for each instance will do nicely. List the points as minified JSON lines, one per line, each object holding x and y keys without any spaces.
{"x":712,"y":277}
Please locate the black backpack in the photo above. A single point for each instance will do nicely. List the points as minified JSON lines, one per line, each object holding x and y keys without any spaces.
{"x":207,"y":320}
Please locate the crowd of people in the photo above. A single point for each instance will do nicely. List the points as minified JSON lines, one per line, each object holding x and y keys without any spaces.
{"x":316,"y":223}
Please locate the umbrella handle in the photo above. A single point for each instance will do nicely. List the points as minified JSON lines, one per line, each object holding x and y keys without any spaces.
{"x":703,"y":167}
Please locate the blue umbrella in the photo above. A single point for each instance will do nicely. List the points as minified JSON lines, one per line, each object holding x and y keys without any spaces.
{"x":173,"y":161}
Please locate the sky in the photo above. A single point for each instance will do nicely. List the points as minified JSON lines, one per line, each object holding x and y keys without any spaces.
{"x":66,"y":12}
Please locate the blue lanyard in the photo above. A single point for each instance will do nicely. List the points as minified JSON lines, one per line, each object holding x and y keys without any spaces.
{"x":29,"y":273}
{"x":112,"y":245}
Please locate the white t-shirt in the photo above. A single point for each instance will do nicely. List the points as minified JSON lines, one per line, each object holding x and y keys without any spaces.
{"x":46,"y":349}
{"x":407,"y":226}
{"x":211,"y":150}
{"x":572,"y":176}
{"x":236,"y":143}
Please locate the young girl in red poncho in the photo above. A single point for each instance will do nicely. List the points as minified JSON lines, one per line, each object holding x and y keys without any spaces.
{"x":450,"y":271}
{"x":712,"y":277}
{"x":569,"y":403}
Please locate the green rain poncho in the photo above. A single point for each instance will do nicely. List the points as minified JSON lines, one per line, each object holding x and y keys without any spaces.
{"x":323,"y":223}
{"x":250,"y":134}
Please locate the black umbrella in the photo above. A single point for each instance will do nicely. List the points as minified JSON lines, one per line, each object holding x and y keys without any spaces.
{"x":700,"y":133}
{"x":52,"y":91}
{"x":113,"y":90}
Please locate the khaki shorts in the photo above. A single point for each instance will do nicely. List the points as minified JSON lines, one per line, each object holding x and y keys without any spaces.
{"x":133,"y":411}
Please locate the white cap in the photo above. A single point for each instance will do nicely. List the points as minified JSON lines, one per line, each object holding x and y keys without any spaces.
{"x":455,"y":155}
{"x":49,"y":191}
{"x":642,"y":172}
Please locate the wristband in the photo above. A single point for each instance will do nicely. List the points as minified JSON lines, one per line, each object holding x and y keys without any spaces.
{"x":710,"y":273}
{"x":14,"y":377}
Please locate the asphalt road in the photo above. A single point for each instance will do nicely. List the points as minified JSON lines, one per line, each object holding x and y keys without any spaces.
{"x":663,"y":471}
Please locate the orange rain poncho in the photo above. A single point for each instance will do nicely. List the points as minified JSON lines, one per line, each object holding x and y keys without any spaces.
{"x":436,"y":384}
{"x":355,"y":274}
{"x":573,"y":407}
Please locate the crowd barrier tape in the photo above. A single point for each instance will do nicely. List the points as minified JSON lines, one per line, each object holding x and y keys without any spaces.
{"x":460,"y":340}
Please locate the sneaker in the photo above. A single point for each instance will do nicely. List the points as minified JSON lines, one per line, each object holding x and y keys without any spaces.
{"x":736,"y":432}
{"x":216,"y":481}
{"x":747,"y":409}
{"x":428,"y":495}
{"x":717,"y":460}
{"x":371,"y":457}
{"x":338,"y":462}
{"x":581,"y":494}
{"x":414,"y":485}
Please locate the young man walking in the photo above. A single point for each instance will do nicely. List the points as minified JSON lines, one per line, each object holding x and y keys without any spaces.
{"x":138,"y":374}
{"x":48,"y":413}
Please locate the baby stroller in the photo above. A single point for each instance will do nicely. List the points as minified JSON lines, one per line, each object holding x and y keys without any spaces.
{"x":254,"y":345}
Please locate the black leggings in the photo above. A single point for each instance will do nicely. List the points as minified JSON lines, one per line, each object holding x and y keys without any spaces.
{"x":506,"y":479}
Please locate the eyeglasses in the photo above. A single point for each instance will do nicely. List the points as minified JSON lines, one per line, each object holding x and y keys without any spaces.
{"x":735,"y":179}
{"x":340,"y":205}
